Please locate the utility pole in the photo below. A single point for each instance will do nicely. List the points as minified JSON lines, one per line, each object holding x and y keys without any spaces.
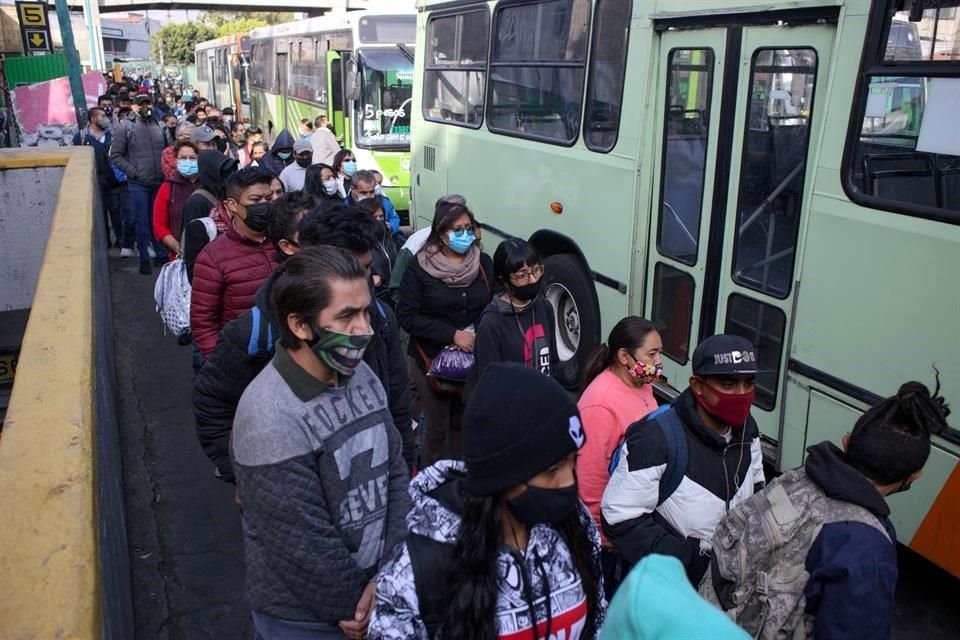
{"x":73,"y":63}
{"x":96,"y":63}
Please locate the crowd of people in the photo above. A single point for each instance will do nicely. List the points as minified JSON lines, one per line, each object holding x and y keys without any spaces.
{"x":407,"y":466}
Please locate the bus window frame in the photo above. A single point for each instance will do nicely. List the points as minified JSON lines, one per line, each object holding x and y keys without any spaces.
{"x":491,"y":64}
{"x":805,"y":182}
{"x":872,"y":64}
{"x":590,"y":78}
{"x":479,"y":7}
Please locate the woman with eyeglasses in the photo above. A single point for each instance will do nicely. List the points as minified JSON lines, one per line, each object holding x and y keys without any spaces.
{"x":442,"y":294}
{"x":518,"y":325}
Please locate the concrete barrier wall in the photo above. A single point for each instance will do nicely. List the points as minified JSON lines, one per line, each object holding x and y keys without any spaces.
{"x":63,"y":552}
{"x":27,"y":199}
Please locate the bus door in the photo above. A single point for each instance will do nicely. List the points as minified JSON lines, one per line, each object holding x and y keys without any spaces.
{"x":337,"y":109}
{"x":689,"y":95}
{"x":282,"y":103}
{"x":741,"y":275}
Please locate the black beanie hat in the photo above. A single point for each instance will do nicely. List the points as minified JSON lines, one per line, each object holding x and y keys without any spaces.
{"x":517,"y":424}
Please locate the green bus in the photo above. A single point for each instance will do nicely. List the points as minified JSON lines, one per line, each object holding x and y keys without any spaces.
{"x":357,"y":68}
{"x":787,"y":171}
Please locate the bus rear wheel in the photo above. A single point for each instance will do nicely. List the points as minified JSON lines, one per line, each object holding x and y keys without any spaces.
{"x":568,"y":289}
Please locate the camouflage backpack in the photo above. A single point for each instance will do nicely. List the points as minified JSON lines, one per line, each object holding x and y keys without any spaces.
{"x":761,"y":548}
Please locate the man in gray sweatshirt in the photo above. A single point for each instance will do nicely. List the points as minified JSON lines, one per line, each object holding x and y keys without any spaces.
{"x":318,"y":463}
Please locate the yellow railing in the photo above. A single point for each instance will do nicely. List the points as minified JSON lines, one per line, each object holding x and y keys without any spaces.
{"x":50,"y":584}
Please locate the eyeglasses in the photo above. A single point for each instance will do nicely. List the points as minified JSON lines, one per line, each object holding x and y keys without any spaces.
{"x":460,"y":230}
{"x":525,"y":275}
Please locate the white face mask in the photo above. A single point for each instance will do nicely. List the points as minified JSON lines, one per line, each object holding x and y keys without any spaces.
{"x":377,"y":190}
{"x":331,"y":186}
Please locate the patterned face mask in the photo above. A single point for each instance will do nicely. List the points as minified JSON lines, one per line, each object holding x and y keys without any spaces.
{"x":645,"y":373}
{"x":341,"y":352}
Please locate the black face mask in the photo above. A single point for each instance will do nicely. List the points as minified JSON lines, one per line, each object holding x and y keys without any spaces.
{"x":221,"y":144}
{"x":146,"y":113}
{"x":526,"y":292}
{"x":108,"y":110}
{"x":305,"y":162}
{"x":258,"y":217}
{"x":543,"y":506}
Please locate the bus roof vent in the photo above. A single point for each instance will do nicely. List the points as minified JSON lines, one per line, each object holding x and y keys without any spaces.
{"x":430,"y":158}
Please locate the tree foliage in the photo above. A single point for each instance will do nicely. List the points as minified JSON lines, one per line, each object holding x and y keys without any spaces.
{"x":179,"y":40}
{"x":221,"y":18}
{"x":239,"y":26}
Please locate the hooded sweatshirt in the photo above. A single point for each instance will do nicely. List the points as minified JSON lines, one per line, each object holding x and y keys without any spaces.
{"x":657,"y":602}
{"x":510,"y":334}
{"x":213,"y":170}
{"x":546,"y":569}
{"x":271,"y":162}
{"x":852,"y":566}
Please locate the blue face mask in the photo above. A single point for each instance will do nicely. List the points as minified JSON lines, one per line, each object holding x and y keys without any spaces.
{"x":460,"y":242}
{"x":187,"y":167}
{"x":283,"y":155}
{"x":349,"y":167}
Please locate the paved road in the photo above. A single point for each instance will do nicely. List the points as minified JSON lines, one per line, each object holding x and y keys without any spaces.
{"x":184,"y":530}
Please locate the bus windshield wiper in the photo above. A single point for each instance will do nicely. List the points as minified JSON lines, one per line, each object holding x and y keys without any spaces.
{"x":405,"y":50}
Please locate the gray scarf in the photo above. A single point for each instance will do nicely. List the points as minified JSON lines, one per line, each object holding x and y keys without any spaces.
{"x":433,"y":261}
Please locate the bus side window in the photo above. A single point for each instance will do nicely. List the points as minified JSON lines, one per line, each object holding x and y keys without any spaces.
{"x":608,"y":64}
{"x":455,"y":75}
{"x":537,"y":70}
{"x":905,"y":157}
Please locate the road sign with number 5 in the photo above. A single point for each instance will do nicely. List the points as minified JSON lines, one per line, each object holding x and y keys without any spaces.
{"x":34,"y":27}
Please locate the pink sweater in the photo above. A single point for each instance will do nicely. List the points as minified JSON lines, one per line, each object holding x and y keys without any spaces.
{"x":607,"y":408}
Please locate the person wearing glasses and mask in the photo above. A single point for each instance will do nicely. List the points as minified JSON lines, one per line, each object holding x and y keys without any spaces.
{"x":442,"y":294}
{"x":517,"y":325}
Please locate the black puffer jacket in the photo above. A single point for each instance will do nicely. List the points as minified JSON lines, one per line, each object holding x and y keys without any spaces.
{"x":136,"y":148}
{"x":244,"y":348}
{"x":431,"y":311}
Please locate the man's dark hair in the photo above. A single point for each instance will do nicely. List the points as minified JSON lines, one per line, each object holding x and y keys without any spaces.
{"x":302,"y":288}
{"x":227,"y":111}
{"x":244,"y":179}
{"x":104,"y":97}
{"x":123,"y":112}
{"x":237,"y":125}
{"x":255,"y":131}
{"x":891,"y":440}
{"x":92,"y":113}
{"x":217,"y":125}
{"x":285,"y":218}
{"x":340,"y":226}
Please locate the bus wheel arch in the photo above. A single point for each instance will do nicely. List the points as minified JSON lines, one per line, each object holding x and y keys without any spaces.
{"x":568,"y":287}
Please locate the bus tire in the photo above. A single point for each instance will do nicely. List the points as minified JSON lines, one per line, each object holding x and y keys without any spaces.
{"x":569,"y":290}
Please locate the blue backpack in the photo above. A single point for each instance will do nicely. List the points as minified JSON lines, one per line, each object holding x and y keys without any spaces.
{"x":666,"y":418}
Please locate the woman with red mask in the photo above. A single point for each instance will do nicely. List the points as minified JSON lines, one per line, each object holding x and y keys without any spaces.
{"x":680,"y":470}
{"x":618,"y":391}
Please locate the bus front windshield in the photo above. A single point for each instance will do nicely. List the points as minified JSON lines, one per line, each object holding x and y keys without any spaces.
{"x":383,"y":111}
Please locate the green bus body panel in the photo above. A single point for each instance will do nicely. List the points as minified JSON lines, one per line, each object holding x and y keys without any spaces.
{"x":873,"y":302}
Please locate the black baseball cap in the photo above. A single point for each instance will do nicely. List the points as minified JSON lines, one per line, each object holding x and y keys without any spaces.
{"x":726,"y":355}
{"x":143,"y":97}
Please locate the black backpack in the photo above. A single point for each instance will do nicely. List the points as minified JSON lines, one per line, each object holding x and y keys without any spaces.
{"x":429,"y":561}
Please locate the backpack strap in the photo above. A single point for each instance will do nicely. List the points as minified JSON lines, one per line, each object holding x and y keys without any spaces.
{"x":483,"y":274}
{"x":618,"y":452}
{"x":210,"y":226}
{"x":429,"y":561}
{"x":206,"y":195}
{"x":677,"y":452}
